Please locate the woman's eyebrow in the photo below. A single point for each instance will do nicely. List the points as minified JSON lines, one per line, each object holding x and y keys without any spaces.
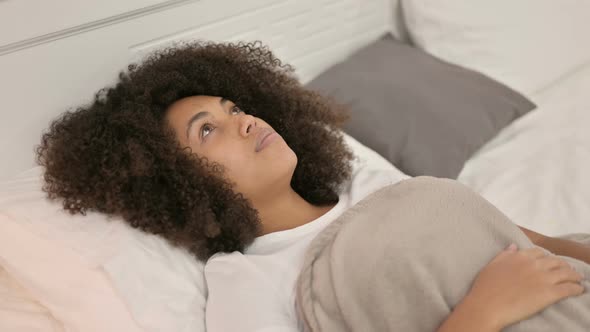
{"x":202,"y":114}
{"x":194,"y":119}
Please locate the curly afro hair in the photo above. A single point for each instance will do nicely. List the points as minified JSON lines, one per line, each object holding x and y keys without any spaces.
{"x":118,"y":156}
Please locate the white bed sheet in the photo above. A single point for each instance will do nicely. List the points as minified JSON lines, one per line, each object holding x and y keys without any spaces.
{"x":537,"y":169}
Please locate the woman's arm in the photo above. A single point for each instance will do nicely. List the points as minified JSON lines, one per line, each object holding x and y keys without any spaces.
{"x":565,"y":247}
{"x":469,"y":316}
{"x":559,"y":246}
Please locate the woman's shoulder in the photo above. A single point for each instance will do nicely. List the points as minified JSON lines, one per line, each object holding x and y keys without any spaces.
{"x":237,"y":284}
{"x":221,"y":259}
{"x":367,"y":179}
{"x":228,"y":264}
{"x":232,"y":270}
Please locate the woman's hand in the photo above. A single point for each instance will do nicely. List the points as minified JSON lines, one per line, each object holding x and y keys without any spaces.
{"x":517,"y":284}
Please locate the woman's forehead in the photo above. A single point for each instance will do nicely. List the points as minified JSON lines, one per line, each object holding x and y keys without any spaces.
{"x":186,"y":107}
{"x":196,"y":102}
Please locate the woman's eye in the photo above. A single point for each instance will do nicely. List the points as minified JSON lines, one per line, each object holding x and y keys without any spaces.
{"x":206,"y":129}
{"x":236,"y":110}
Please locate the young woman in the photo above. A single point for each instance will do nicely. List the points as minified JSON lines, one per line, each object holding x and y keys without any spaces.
{"x":220,"y":150}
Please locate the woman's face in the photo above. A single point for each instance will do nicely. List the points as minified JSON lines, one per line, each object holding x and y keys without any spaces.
{"x":255,"y":158}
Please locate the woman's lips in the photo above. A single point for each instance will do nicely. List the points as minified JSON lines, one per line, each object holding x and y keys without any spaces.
{"x":267,"y":138}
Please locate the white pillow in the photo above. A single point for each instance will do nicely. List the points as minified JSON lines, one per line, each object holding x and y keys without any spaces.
{"x":526,"y":44}
{"x":95,"y":274}
{"x":76,"y":293}
{"x":19,"y":312}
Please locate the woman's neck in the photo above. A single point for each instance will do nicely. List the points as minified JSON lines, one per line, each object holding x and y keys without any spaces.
{"x":288,"y":210}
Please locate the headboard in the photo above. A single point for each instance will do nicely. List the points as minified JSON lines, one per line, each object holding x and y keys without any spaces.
{"x":72,"y":49}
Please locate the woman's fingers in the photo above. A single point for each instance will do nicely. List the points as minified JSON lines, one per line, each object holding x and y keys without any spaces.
{"x":566,"y":289}
{"x":550,"y":262}
{"x":565,"y":274}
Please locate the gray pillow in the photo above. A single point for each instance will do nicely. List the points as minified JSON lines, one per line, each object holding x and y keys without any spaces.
{"x":425,"y":116}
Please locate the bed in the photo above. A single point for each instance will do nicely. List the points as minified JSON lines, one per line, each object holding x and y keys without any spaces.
{"x":72,"y":273}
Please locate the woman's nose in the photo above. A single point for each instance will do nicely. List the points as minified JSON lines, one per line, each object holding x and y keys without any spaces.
{"x":247,"y":125}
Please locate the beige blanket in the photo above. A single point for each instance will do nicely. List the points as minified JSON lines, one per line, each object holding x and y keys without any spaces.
{"x":402,"y":258}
